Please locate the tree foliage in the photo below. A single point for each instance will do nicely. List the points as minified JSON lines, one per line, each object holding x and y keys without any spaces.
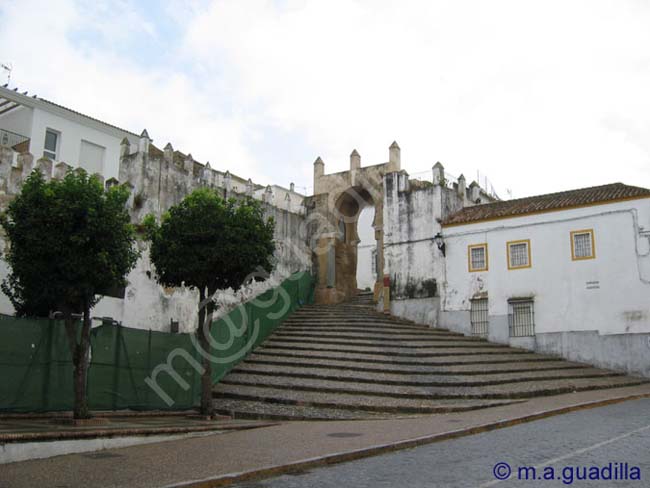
{"x":208,"y":243}
{"x":69,"y":242}
{"x":211,"y":243}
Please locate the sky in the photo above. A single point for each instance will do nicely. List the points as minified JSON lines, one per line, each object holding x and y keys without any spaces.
{"x":536,"y":96}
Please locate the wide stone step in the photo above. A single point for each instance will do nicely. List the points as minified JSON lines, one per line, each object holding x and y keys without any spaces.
{"x":415,"y":368}
{"x":418,"y":343}
{"x":395,"y":351}
{"x":262,"y":410}
{"x":366,"y":329}
{"x":405,"y":379}
{"x":354,"y":402}
{"x":432,"y":360}
{"x":370,"y":333}
{"x":502,"y":391}
{"x":352,"y":320}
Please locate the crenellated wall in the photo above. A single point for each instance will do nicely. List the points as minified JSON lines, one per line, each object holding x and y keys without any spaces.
{"x":413,"y":210}
{"x":158,"y":179}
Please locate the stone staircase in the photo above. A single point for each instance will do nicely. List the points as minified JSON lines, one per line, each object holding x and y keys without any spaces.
{"x":348,"y":361}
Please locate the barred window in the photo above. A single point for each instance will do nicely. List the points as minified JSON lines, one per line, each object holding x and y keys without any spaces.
{"x":582,"y":244}
{"x":521,"y":317}
{"x":477,"y":257}
{"x":478,"y":316}
{"x":519,"y":254}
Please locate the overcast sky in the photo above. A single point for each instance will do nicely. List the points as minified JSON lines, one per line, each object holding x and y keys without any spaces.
{"x":539,"y":96}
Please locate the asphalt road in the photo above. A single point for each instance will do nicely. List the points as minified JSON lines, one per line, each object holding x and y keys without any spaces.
{"x":584,"y":448}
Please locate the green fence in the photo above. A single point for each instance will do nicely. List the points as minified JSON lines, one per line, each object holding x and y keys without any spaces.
{"x":36,"y":366}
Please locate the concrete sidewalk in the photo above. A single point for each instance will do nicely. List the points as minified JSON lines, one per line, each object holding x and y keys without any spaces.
{"x":221,"y":459}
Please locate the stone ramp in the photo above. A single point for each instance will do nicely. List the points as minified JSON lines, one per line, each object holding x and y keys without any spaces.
{"x":348,"y":361}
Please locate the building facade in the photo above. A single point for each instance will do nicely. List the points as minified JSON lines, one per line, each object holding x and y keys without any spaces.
{"x":45,"y":129}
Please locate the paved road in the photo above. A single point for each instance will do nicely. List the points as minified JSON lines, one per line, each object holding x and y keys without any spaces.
{"x":559,"y":447}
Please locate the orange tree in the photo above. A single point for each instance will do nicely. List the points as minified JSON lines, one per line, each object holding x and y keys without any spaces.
{"x":69,"y":241}
{"x":208,"y":243}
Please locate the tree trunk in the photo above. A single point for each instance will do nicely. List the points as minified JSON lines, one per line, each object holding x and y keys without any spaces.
{"x":80,"y":358}
{"x":80,"y":373}
{"x":207,"y":407}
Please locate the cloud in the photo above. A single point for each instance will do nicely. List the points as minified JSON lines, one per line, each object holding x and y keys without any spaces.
{"x":49,"y":59}
{"x":538,"y":96}
{"x":510,"y":88}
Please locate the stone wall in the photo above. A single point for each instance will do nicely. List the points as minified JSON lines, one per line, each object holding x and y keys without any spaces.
{"x":158,"y":179}
{"x":413,"y":210}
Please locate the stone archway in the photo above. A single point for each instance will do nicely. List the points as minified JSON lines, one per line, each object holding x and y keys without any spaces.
{"x":333,"y":215}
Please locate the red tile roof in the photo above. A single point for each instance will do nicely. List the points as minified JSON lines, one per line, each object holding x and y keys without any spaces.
{"x":546,"y":203}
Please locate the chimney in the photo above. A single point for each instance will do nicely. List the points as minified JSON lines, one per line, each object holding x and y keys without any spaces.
{"x":461,"y":187}
{"x":355,"y":160}
{"x":394,"y":157}
{"x":438,"y":173}
{"x":292,"y":187}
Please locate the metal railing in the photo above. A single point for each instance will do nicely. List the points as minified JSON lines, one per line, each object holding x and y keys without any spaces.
{"x":8,"y":138}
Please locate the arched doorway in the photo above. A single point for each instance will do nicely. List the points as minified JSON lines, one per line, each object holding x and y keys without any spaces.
{"x":366,"y":250}
{"x":349,"y":207}
{"x":332,"y":222}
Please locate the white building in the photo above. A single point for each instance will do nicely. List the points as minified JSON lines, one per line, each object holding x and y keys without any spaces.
{"x":565,"y":273}
{"x":45,"y":129}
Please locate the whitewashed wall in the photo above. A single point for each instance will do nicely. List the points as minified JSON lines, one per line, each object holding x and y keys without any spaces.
{"x":18,"y":120}
{"x":563,"y":302}
{"x":72,"y":133}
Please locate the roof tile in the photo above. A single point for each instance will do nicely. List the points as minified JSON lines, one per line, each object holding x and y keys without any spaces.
{"x":545,"y":203}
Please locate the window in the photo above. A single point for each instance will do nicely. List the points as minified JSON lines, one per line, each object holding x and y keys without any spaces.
{"x":521,"y":317}
{"x":519,"y":254}
{"x":51,"y":144}
{"x":91,"y":157}
{"x":477,"y":257}
{"x":582,"y":245}
{"x":478,"y":316}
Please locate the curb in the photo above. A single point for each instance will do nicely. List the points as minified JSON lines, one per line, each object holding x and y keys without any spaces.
{"x":339,"y":457}
{"x":11,"y":438}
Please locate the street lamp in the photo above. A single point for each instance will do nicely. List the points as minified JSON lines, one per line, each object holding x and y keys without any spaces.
{"x":440,"y":243}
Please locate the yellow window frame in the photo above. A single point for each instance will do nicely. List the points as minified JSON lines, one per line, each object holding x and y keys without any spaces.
{"x":469,"y":257}
{"x":573,"y":246}
{"x":530,"y":260}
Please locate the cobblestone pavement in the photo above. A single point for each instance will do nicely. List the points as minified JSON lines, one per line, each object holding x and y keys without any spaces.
{"x":613,"y":434}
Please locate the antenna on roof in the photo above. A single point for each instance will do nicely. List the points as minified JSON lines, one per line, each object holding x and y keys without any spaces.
{"x":7,"y":67}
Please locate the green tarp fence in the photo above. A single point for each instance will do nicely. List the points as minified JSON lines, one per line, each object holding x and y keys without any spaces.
{"x":36,"y":365}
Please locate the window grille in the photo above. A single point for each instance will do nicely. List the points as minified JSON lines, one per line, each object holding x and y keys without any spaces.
{"x":478,"y":259}
{"x":521,"y":317}
{"x":582,"y":244}
{"x":519,"y":254}
{"x":479,"y":317}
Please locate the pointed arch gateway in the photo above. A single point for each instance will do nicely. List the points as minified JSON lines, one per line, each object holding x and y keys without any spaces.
{"x":333,"y":216}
